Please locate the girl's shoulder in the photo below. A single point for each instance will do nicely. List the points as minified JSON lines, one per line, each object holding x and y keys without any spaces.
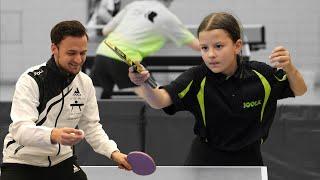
{"x":259,"y":66}
{"x":196,"y":70}
{"x":266,"y":70}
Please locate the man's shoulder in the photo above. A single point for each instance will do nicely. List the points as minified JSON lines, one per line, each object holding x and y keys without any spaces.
{"x":83,"y":75}
{"x":36,"y":71}
{"x":33,"y":75}
{"x":85,"y":78}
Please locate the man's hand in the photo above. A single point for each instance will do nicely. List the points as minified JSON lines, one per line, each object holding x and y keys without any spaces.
{"x":121,"y":160}
{"x":66,"y":136}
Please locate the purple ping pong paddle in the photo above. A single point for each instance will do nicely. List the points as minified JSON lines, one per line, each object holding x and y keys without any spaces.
{"x":142,"y":163}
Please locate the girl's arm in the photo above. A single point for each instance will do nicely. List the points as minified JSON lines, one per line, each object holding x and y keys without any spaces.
{"x":156,"y":98}
{"x":280,"y":57}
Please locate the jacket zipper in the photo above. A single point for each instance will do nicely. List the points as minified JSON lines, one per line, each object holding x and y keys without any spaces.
{"x":55,"y":125}
{"x":18,"y":148}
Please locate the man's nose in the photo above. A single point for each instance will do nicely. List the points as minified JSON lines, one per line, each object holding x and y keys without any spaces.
{"x":78,"y":58}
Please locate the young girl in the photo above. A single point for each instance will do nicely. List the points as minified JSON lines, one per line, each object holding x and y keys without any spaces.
{"x":233,"y":101}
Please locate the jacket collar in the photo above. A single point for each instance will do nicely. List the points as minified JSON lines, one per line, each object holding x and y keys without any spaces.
{"x":68,"y":77}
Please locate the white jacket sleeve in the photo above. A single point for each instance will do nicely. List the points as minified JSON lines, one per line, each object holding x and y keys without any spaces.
{"x":24,"y":113}
{"x":114,"y":22}
{"x":171,"y":27}
{"x":94,"y":133}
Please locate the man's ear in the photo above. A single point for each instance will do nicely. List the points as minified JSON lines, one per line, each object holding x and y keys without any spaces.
{"x":238,"y":46}
{"x":54,"y":48}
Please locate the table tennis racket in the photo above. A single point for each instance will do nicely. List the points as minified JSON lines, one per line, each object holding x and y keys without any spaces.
{"x":142,"y":163}
{"x":136,"y":65}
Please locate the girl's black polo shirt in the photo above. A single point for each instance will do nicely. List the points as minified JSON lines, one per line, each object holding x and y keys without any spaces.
{"x":230,"y":112}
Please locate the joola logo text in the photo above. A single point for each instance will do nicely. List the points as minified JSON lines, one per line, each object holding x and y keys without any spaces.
{"x":251,"y":104}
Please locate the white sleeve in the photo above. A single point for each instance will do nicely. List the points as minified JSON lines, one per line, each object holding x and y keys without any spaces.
{"x":174,"y":29}
{"x":114,"y":22}
{"x":24,"y":113}
{"x":94,"y":133}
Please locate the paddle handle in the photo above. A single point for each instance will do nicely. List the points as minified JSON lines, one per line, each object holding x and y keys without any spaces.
{"x":150,"y":81}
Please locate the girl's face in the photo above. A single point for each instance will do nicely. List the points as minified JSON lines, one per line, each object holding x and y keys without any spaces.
{"x":219,"y":52}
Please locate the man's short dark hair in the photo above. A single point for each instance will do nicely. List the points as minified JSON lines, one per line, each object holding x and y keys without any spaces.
{"x":67,"y":28}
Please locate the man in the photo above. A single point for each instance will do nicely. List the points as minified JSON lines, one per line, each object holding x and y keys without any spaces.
{"x":139,"y":30}
{"x":50,"y":100}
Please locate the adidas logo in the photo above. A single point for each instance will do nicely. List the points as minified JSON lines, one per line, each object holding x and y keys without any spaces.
{"x":77,"y":92}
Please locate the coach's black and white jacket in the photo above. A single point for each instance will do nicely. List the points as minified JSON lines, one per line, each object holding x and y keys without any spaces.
{"x":44,"y":98}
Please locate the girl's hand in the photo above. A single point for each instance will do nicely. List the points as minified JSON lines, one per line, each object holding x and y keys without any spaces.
{"x":280,"y":58}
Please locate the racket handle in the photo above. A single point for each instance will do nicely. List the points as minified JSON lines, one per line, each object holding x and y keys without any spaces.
{"x":152,"y":83}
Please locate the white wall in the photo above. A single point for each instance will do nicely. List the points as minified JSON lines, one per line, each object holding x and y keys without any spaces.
{"x":25,"y":31}
{"x":292,"y":23}
{"x":25,"y":27}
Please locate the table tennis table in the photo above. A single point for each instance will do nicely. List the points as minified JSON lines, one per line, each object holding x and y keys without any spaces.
{"x":180,"y":173}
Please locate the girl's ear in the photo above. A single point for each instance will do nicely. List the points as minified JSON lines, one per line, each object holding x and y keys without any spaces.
{"x":238,"y":46}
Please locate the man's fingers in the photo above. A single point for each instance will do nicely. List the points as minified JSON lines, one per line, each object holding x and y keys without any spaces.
{"x":71,"y":130}
{"x":79,"y":132}
{"x":76,"y":135}
{"x":66,"y":142}
{"x":126,"y":165}
{"x":67,"y":136}
{"x":70,"y":142}
{"x":71,"y":139}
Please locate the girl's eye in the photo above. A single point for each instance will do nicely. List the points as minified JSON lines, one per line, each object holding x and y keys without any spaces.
{"x":218,"y":46}
{"x":204,"y":48}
